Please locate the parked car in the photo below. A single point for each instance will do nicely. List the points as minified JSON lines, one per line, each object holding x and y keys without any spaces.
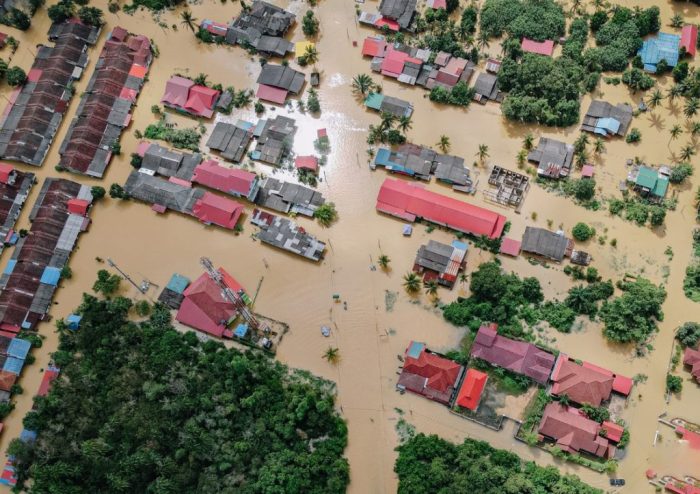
{"x":617,"y":482}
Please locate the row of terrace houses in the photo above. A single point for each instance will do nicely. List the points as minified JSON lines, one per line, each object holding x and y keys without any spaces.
{"x":105,"y":106}
{"x":36,"y":109}
{"x":14,"y":189}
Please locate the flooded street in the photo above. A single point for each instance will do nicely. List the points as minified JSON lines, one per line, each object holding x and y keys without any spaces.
{"x":371,"y":333}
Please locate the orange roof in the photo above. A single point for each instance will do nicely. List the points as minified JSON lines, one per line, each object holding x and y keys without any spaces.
{"x":613,"y":431}
{"x":472,"y":388}
{"x":138,"y":71}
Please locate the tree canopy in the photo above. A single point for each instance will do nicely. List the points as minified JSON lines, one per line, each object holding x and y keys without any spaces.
{"x":534,"y":19}
{"x":140,"y":407}
{"x":429,"y":464}
{"x":633,"y":315}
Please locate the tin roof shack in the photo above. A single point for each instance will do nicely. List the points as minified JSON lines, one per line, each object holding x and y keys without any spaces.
{"x":649,"y":182}
{"x":689,"y":39}
{"x":553,"y":158}
{"x":287,"y":197}
{"x":34,"y":270}
{"x":429,"y":374}
{"x":517,"y":356}
{"x":663,"y":46}
{"x":573,"y":432}
{"x":604,"y":119}
{"x":280,"y":77}
{"x":105,"y":106}
{"x":401,"y":11}
{"x":586,"y":383}
{"x":230,"y":140}
{"x":232,"y":181}
{"x":547,"y":244}
{"x":388,"y":104}
{"x":275,"y":140}
{"x":36,"y":109}
{"x":14,"y":189}
{"x":410,"y":202}
{"x":486,"y":89}
{"x":160,"y":160}
{"x":185,"y":96}
{"x":284,"y":234}
{"x":262,"y":27}
{"x":440,"y":262}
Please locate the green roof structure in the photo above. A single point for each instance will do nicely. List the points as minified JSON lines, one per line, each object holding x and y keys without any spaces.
{"x":649,"y":180}
{"x":374,"y":101}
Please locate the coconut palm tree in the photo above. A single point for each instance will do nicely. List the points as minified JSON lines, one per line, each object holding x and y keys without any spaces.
{"x":695,"y":129}
{"x":482,"y":41}
{"x":521,"y":157}
{"x":655,"y":99}
{"x":444,"y":143}
{"x":677,"y":21}
{"x":405,"y":124}
{"x":528,"y":141}
{"x":431,"y":287}
{"x":687,"y":152}
{"x":387,"y":121}
{"x":599,"y":146}
{"x":463,"y":277}
{"x":332,"y":355}
{"x":411,"y":283}
{"x":310,"y":54}
{"x":188,"y":20}
{"x":564,"y":400}
{"x":384,"y":261}
{"x":362,"y":84}
{"x":691,"y":107}
{"x":580,"y":143}
{"x":483,"y":152}
{"x":675,"y":131}
{"x":673,"y":92}
{"x":581,"y":158}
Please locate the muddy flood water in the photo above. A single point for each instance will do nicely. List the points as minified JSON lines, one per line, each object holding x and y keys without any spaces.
{"x":370,"y":334}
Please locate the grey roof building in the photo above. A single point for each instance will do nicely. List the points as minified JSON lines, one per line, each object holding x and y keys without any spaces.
{"x":275,"y":140}
{"x":486,"y":88}
{"x":440,"y":262}
{"x":396,"y":106}
{"x":153,"y":190}
{"x":287,"y":197}
{"x":287,"y":235}
{"x":281,"y":77}
{"x":596,"y":118}
{"x":168,"y":163}
{"x":553,"y":158}
{"x":400,"y":11}
{"x":231,"y":140}
{"x":546,"y":244}
{"x":263,"y":27}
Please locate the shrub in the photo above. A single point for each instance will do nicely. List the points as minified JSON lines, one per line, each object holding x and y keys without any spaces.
{"x":15,"y":76}
{"x":680,"y":172}
{"x":582,"y":232}
{"x":674,"y":384}
{"x":634,"y":135}
{"x":689,"y":334}
{"x":309,"y":24}
{"x":637,"y":79}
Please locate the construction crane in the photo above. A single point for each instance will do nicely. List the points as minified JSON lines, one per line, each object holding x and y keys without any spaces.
{"x":233,"y":297}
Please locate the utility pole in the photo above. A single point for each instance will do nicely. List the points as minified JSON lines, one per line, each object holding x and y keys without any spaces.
{"x":125,"y":276}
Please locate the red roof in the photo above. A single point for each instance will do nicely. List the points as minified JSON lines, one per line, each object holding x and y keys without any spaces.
{"x":373,"y":47}
{"x":204,"y":307}
{"x":587,"y":171}
{"x":230,"y":180}
{"x":408,"y":201}
{"x":50,"y":375}
{"x":6,"y":170}
{"x":211,"y":208}
{"x":689,"y":38}
{"x":138,"y":71}
{"x":582,"y":384}
{"x":429,"y":374}
{"x":119,"y":33}
{"x":271,"y":94}
{"x":691,"y":358}
{"x":573,"y":432}
{"x":621,"y":384}
{"x":613,"y":431}
{"x":177,"y":90}
{"x":393,"y":62}
{"x":681,"y":488}
{"x":78,"y":206}
{"x":545,"y":47}
{"x":7,"y":380}
{"x":383,"y":21}
{"x":510,"y":246}
{"x":517,"y":356}
{"x":472,"y":387}
{"x":201,"y":99}
{"x":306,"y":163}
{"x":321,"y":133}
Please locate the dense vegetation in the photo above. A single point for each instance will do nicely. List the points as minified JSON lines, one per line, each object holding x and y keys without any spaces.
{"x":429,"y":464}
{"x":143,"y":408}
{"x":534,"y":19}
{"x":689,"y":334}
{"x":691,"y":283}
{"x":179,"y":138}
{"x":632,"y":316}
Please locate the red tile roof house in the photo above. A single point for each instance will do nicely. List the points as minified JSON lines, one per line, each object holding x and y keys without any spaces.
{"x":472,"y":387}
{"x":374,"y":46}
{"x":538,"y":47}
{"x":691,"y":358}
{"x":517,"y":356}
{"x":410,"y":202}
{"x":574,"y":433}
{"x":213,"y":209}
{"x":689,"y":39}
{"x":309,"y":163}
{"x":586,"y":383}
{"x":204,"y":307}
{"x":428,"y":374}
{"x":185,"y":96}
{"x":232,"y":181}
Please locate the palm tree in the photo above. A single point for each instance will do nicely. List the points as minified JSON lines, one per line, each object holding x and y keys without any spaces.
{"x":581,"y":158}
{"x":695,"y":129}
{"x":482,"y":41}
{"x":528,"y":141}
{"x":691,"y":107}
{"x":655,"y":99}
{"x":411,"y":283}
{"x":332,"y":355}
{"x":463,"y":277}
{"x":188,"y":20}
{"x":687,"y":152}
{"x":483,"y":152}
{"x":575,"y":6}
{"x":384,"y":261}
{"x":599,"y":146}
{"x":444,"y":143}
{"x":361,"y":84}
{"x":581,"y":142}
{"x":564,"y":399}
{"x":521,"y":157}
{"x":674,"y":91}
{"x":201,"y":79}
{"x":310,"y":54}
{"x":677,"y":21}
{"x":431,"y":287}
{"x":404,"y":124}
{"x":675,"y":131}
{"x":387,"y":121}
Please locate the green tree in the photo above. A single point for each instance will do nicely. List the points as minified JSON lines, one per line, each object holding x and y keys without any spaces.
{"x":674,"y":384}
{"x":362,"y":84}
{"x":632,"y":316}
{"x":326,"y":214}
{"x":411,"y":283}
{"x":528,"y":141}
{"x":332,"y":355}
{"x":404,"y":124}
{"x":655,"y":99}
{"x":691,"y":107}
{"x":675,"y":131}
{"x":92,"y":16}
{"x":61,"y":11}
{"x":677,"y":21}
{"x":688,"y":334}
{"x":483,"y":152}
{"x":384,"y":261}
{"x":97,"y":192}
{"x":444,"y":144}
{"x":431,"y":287}
{"x":309,"y":24}
{"x":687,"y":152}
{"x":582,"y":232}
{"x":15,"y":76}
{"x":106,"y":284}
{"x":598,"y":146}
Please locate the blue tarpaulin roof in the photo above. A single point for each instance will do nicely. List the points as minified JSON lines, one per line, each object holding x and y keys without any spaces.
{"x":27,"y":436}
{"x":178,"y":283}
{"x":241,"y":330}
{"x":18,"y":348}
{"x":13,"y":365}
{"x":50,"y":276}
{"x":10,"y":266}
{"x":460,"y":245}
{"x":382,"y":157}
{"x":415,"y":349}
{"x":244,"y":125}
{"x":607,"y":126}
{"x":663,"y":46}
{"x":73,"y":321}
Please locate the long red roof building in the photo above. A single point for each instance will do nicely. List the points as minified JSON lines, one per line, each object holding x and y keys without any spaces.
{"x":586,"y":383}
{"x":410,"y":202}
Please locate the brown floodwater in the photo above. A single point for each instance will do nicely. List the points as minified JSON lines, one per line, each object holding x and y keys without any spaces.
{"x":370,"y":337}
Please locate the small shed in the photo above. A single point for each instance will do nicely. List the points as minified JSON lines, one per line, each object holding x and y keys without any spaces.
{"x":587,"y":171}
{"x":73,"y":321}
{"x":510,"y":247}
{"x":309,"y":163}
{"x":689,"y":39}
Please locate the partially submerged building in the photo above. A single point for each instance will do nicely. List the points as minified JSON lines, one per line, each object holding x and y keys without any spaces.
{"x":470,"y":391}
{"x":185,"y":96}
{"x":542,"y":242}
{"x":486,"y":88}
{"x":389,"y":104}
{"x":231,"y":140}
{"x":517,"y":356}
{"x":262,"y":27}
{"x":545,"y":47}
{"x":508,"y":187}
{"x":603,"y":118}
{"x":232,"y":181}
{"x":429,"y":374}
{"x":691,"y":358}
{"x":586,"y":383}
{"x":284,"y":234}
{"x":105,"y":106}
{"x":174,"y":292}
{"x":663,"y":46}
{"x":440,"y":262}
{"x":275,"y":139}
{"x":400,"y":11}
{"x":650,"y":182}
{"x":32,"y":274}
{"x":411,"y":202}
{"x":14,"y":189}
{"x":277,"y":81}
{"x":164,"y":161}
{"x":287,"y":197}
{"x":689,"y":39}
{"x":573,"y":432}
{"x":553,"y":158}
{"x":36,"y":109}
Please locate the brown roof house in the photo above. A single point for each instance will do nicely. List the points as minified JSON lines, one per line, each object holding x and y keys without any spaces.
{"x":691,"y":358}
{"x":517,"y":356}
{"x":582,"y":384}
{"x":429,"y":374}
{"x":573,"y":432}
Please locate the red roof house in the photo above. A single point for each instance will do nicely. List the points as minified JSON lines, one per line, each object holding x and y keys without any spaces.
{"x":390,"y":23}
{"x":272,"y":94}
{"x":177,"y":90}
{"x":678,"y":487}
{"x":119,"y":34}
{"x":473,"y":386}
{"x":580,"y":383}
{"x":201,"y":100}
{"x":205,"y":308}
{"x":410,"y":201}
{"x":213,"y":209}
{"x":691,"y":358}
{"x":689,"y":38}
{"x":510,"y":247}
{"x":393,"y":62}
{"x":78,"y":206}
{"x":306,"y":163}
{"x":373,"y":47}
{"x":233,"y":181}
{"x":49,"y":377}
{"x":517,"y":356}
{"x":613,"y":431}
{"x":573,"y":432}
{"x":429,"y":374}
{"x":6,"y":171}
{"x":545,"y":47}
{"x":7,"y":380}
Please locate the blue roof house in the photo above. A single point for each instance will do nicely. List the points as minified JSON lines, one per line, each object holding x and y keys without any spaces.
{"x":664,"y":46}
